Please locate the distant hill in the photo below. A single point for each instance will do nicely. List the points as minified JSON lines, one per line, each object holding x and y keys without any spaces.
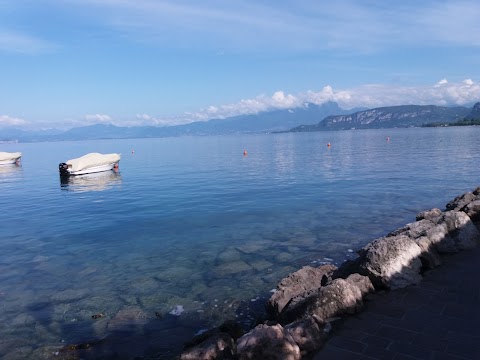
{"x":12,"y":134}
{"x":269,"y":121}
{"x":389,"y":117}
{"x":472,"y":118}
{"x":475,"y":113}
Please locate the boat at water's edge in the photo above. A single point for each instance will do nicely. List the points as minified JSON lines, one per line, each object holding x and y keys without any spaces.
{"x":89,"y":163}
{"x":7,"y":158}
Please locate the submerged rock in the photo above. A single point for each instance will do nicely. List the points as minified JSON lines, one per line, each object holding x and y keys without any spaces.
{"x":231,"y":268}
{"x":128,"y":319}
{"x":69,"y":296}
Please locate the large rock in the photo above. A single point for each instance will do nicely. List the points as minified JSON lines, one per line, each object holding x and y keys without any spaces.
{"x":391,"y":262}
{"x":473,"y":210}
{"x":309,"y":334}
{"x":429,"y":214}
{"x":468,"y":203}
{"x":267,"y":342}
{"x":297,"y":284}
{"x":461,"y":201}
{"x":426,"y":233}
{"x":216,"y":343}
{"x":340,"y":297}
{"x":464,"y":234}
{"x":217,"y":346}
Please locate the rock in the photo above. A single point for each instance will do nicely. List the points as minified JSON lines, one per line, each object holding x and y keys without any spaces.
{"x":463,"y":232}
{"x":69,"y":296}
{"x":461,"y":201}
{"x":298,"y":283}
{"x":217,"y":346}
{"x":429,"y":257}
{"x":230,"y":327}
{"x":260,"y":265}
{"x":473,"y":210}
{"x":391,"y":262}
{"x":429,"y":214}
{"x":128,"y":319}
{"x":341,"y":296}
{"x":425,"y":232}
{"x":347,"y":268}
{"x":309,"y":333}
{"x":257,"y":246}
{"x":231,"y":268}
{"x":363,"y":283}
{"x":450,"y":232}
{"x":267,"y":342}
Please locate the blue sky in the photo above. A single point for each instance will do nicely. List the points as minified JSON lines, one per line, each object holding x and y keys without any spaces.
{"x":66,"y":63}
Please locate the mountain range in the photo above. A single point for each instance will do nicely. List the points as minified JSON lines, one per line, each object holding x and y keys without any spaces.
{"x":310,"y":117}
{"x":390,"y":117}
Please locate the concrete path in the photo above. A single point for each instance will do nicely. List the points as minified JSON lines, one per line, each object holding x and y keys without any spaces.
{"x":437,"y":320}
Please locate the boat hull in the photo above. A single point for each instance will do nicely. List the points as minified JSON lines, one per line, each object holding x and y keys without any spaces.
{"x":91,"y":170}
{"x":9,"y":161}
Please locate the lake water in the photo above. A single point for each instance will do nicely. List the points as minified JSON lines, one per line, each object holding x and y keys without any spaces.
{"x":190,"y":232}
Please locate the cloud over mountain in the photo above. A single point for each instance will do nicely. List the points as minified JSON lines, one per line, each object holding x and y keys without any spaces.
{"x":6,"y":120}
{"x":371,"y":95}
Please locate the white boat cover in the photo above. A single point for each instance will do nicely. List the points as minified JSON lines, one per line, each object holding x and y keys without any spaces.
{"x":9,"y":156}
{"x":91,"y":160}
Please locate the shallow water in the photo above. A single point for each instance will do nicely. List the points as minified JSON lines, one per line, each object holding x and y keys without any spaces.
{"x":190,"y":232}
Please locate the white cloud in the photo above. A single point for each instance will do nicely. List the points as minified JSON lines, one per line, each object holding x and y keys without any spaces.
{"x":98,"y":118}
{"x":441,"y":82}
{"x":6,"y":120}
{"x":146,"y":120}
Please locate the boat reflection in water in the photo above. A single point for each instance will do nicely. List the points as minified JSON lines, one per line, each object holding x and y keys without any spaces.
{"x":10,"y":170}
{"x":91,"y":182}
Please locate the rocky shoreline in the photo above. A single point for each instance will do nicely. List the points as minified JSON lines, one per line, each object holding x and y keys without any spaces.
{"x":308,"y":301}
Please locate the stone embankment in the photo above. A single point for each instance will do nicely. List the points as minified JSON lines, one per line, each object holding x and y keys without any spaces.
{"x":307,"y":301}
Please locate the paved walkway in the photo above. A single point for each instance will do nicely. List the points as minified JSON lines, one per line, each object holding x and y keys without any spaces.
{"x":437,"y":320}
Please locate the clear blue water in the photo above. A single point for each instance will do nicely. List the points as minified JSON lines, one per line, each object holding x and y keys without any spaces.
{"x":193,"y":230}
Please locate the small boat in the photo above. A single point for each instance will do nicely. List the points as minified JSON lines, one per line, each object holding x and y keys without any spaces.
{"x":10,"y":158}
{"x":89,"y":163}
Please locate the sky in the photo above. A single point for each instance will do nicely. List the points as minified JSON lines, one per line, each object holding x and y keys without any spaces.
{"x":69,"y":63}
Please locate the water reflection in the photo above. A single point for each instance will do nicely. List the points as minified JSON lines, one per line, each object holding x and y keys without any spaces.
{"x":9,"y":170}
{"x":91,"y":182}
